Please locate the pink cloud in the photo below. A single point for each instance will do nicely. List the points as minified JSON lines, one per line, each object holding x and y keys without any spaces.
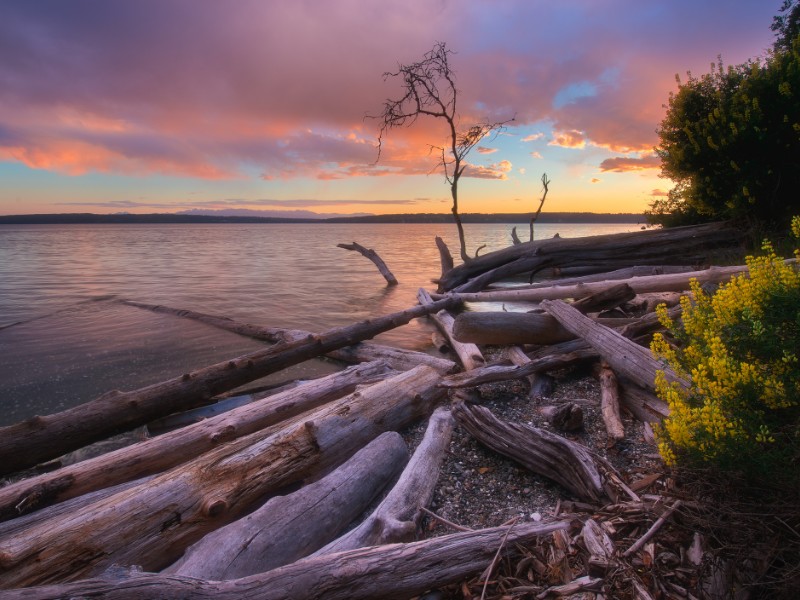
{"x":484,"y":150}
{"x":622,"y":164}
{"x":568,"y":139}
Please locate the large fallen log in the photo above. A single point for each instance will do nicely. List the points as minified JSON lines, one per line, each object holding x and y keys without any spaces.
{"x":597,"y":274}
{"x":624,"y":356}
{"x":398,"y":358}
{"x":679,"y":245}
{"x":557,"y":458}
{"x":152,"y":524}
{"x":504,"y":328}
{"x":390,"y":572}
{"x":171,"y":449}
{"x":40,"y":438}
{"x":397,"y":517}
{"x":290,"y":527}
{"x":672,"y":282}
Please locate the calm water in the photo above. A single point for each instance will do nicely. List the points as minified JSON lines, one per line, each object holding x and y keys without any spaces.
{"x":66,"y":340}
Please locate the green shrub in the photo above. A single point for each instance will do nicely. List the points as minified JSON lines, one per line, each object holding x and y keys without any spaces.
{"x":739,"y":348}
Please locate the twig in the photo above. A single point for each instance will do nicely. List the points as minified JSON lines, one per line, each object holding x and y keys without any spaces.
{"x":488,"y":572}
{"x":653,"y":529}
{"x":433,"y":515}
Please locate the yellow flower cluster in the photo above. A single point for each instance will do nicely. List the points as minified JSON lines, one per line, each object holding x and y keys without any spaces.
{"x":741,"y":372}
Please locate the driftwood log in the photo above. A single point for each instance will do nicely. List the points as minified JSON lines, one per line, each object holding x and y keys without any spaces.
{"x":41,"y":438}
{"x":598,"y":274}
{"x":679,"y":245}
{"x":166,"y":451}
{"x":609,"y":403}
{"x":398,"y":358}
{"x":375,"y":258}
{"x":391,"y":572}
{"x":152,"y":524}
{"x":469,"y":354}
{"x":397,"y":517}
{"x":557,"y":458}
{"x":624,"y":356}
{"x":290,"y":527}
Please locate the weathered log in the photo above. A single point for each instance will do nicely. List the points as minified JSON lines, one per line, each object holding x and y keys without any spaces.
{"x":560,"y":277}
{"x":609,"y":403}
{"x":391,"y":572}
{"x":398,"y":358}
{"x":642,"y":404}
{"x":40,"y":438}
{"x":604,"y":299}
{"x":290,"y":527}
{"x":171,"y":449}
{"x":397,"y":517}
{"x":518,"y":358}
{"x":469,"y":354}
{"x":545,"y":453}
{"x":492,"y":373}
{"x":673,"y":246}
{"x":375,"y":258}
{"x":504,"y":328}
{"x":151,"y":525}
{"x":675,"y":282}
{"x":624,"y":356}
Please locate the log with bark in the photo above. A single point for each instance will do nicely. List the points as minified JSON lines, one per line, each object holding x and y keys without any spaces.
{"x":290,"y":527}
{"x":557,"y":458}
{"x":152,"y":524}
{"x":171,"y":449}
{"x":41,"y":438}
{"x":391,"y":572}
{"x":375,"y":258}
{"x":679,"y":245}
{"x":397,"y":517}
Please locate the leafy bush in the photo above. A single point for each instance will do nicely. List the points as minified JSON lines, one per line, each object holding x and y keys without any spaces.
{"x":739,"y":348}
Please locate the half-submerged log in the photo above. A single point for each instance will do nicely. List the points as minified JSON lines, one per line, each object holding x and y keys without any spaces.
{"x":374,"y":257}
{"x":397,"y":517}
{"x":152,"y":524}
{"x":545,"y":453}
{"x":290,"y":527}
{"x":166,"y":451}
{"x":398,"y":358}
{"x":391,"y":572}
{"x":40,"y":438}
{"x":679,"y":245}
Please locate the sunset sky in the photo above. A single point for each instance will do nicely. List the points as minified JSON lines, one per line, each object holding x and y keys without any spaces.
{"x":167,"y":105}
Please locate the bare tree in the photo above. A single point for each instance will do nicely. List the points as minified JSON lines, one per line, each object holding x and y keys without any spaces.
{"x":430,"y":90}
{"x":545,"y":185}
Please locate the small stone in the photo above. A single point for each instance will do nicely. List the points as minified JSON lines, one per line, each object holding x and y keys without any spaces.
{"x":536,"y":517}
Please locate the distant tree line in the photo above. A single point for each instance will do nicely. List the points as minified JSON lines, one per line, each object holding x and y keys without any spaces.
{"x":731,"y":139}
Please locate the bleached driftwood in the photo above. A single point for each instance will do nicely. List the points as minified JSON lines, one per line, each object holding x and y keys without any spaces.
{"x":545,"y":453}
{"x":375,"y":258}
{"x":40,"y":438}
{"x":397,"y":517}
{"x":166,"y":451}
{"x":398,"y":358}
{"x":469,"y":354}
{"x":151,"y":525}
{"x":609,"y":403}
{"x":624,"y":356}
{"x":390,"y":572}
{"x":290,"y":527}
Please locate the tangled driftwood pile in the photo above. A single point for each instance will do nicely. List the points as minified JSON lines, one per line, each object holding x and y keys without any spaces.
{"x":256,"y":495}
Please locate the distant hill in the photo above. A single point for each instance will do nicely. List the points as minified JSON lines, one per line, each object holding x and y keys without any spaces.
{"x":122,"y":218}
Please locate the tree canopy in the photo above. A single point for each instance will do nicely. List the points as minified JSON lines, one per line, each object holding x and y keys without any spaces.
{"x":731,"y":139}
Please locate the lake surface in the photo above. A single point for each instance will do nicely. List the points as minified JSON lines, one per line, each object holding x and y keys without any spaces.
{"x":65,"y":339}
